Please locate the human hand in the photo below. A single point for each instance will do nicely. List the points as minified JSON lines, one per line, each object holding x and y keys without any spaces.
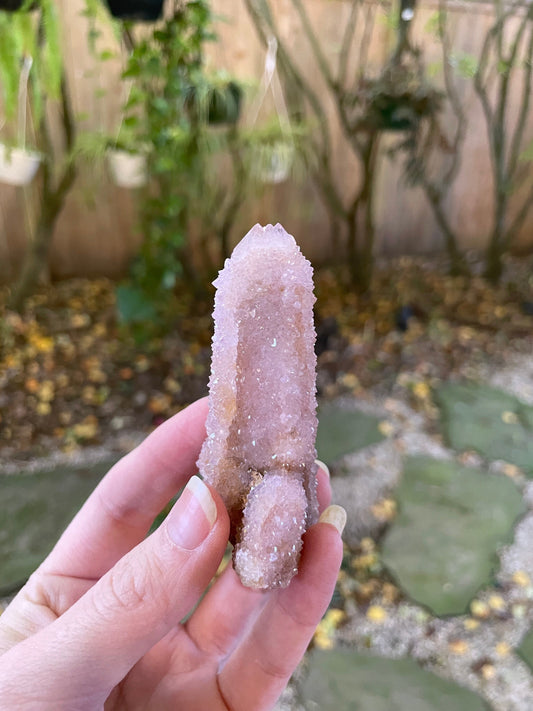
{"x":98,"y":624}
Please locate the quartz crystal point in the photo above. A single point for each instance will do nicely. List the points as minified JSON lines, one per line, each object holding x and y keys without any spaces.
{"x":261,"y":428}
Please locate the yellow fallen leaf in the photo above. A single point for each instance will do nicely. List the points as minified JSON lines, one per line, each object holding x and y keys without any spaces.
{"x":521,"y":578}
{"x":510,"y":470}
{"x":32,"y":385}
{"x":42,"y":344}
{"x":386,"y":428}
{"x":488,"y":671}
{"x":46,"y":392}
{"x":43,"y":408}
{"x":384,"y":510}
{"x":496,"y":603}
{"x":364,"y":561}
{"x":421,"y":390}
{"x":171,"y":385}
{"x":159,"y":403}
{"x":87,"y":429}
{"x":458,"y":646}
{"x":367,"y":545}
{"x":480,"y":609}
{"x":334,"y":617}
{"x":376,"y":613}
{"x":502,"y":649}
{"x":389,"y":593}
{"x":470,"y":624}
{"x":322,"y":641}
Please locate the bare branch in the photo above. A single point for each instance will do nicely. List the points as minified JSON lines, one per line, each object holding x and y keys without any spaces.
{"x":520,"y":217}
{"x":313,"y":41}
{"x":524,"y":107}
{"x":347,"y":43}
{"x":365,"y":40}
{"x":453,"y":97}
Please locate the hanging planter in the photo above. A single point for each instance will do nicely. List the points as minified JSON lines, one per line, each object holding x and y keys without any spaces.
{"x":397,"y":105}
{"x":128,"y":170}
{"x":221,"y":105}
{"x":272,"y":162}
{"x":273,"y":156}
{"x":18,"y":166}
{"x":14,"y":5}
{"x":140,"y":10}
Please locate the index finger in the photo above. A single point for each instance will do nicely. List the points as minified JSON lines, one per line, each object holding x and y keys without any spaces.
{"x":119,"y":512}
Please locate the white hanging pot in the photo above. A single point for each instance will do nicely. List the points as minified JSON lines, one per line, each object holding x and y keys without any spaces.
{"x":273,"y":161}
{"x":18,"y":166}
{"x":128,"y":170}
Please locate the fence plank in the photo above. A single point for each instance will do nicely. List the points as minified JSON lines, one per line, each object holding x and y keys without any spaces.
{"x":99,"y":235}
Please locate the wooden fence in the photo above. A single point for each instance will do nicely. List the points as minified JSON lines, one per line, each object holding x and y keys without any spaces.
{"x":97,"y":234}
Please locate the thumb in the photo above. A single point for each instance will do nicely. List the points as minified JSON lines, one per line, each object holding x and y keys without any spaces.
{"x":98,"y":640}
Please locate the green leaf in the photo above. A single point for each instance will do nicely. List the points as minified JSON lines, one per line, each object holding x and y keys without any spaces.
{"x":464,"y":64}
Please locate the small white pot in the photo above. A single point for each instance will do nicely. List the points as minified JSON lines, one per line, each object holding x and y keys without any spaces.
{"x":128,"y":170}
{"x":18,"y":166}
{"x":273,"y":162}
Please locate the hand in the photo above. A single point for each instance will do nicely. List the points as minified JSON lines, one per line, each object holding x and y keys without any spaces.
{"x":98,"y":624}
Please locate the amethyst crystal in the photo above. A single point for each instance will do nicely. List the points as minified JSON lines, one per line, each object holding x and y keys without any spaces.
{"x":260,"y":448}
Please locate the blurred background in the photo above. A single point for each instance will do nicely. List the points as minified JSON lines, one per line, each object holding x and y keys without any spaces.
{"x":139,"y":142}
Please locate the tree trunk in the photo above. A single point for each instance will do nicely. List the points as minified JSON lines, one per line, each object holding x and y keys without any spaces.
{"x":39,"y":249}
{"x":497,"y":244}
{"x":52,"y":201}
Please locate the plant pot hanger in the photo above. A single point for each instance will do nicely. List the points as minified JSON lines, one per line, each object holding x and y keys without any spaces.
{"x":18,"y":166}
{"x":273,"y":161}
{"x":141,"y":10}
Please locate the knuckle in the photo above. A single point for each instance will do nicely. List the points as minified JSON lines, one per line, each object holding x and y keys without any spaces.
{"x":133,"y":586}
{"x":275,"y":668}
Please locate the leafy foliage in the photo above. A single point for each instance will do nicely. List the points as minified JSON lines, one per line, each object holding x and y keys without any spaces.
{"x":24,"y":36}
{"x":172,"y":100}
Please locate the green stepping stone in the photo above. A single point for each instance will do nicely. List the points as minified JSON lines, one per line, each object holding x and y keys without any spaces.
{"x":34,"y":511}
{"x":341,"y":432}
{"x":526,"y":649}
{"x":452,"y":519}
{"x":490,"y":421}
{"x":350,"y":681}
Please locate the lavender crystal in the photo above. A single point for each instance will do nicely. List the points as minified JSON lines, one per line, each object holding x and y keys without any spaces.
{"x":260,"y":448}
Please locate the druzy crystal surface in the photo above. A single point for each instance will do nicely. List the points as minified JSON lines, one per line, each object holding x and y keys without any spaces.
{"x":260,"y":448}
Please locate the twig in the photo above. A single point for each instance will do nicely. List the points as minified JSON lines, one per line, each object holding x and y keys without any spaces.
{"x":317,"y":50}
{"x":347,"y":38}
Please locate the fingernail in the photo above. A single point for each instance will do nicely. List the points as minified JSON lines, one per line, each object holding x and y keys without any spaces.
{"x":335,"y":515}
{"x":323,"y":466}
{"x":193,"y":515}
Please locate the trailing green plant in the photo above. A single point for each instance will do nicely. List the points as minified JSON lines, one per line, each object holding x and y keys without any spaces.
{"x":197,"y":172}
{"x":36,"y":35}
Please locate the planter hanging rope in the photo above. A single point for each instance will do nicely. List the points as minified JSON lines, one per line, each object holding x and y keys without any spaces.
{"x":18,"y":166}
{"x":273,"y":161}
{"x":128,"y":170}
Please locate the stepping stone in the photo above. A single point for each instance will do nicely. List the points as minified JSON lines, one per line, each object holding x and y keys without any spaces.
{"x":452,"y":520}
{"x":34,"y":511}
{"x":342,"y":431}
{"x":526,"y":649}
{"x":489,"y":421}
{"x":342,"y":680}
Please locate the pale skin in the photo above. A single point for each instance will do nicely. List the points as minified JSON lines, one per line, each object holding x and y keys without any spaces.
{"x":98,"y":624}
